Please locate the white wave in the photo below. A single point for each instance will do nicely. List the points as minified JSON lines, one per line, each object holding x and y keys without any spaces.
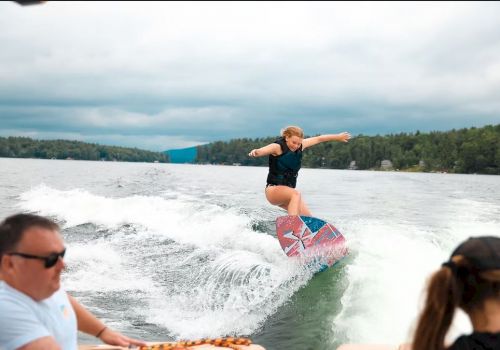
{"x":386,"y":281}
{"x":220,"y":277}
{"x":251,"y":288}
{"x":77,"y":206}
{"x":176,"y":219}
{"x":229,"y":279}
{"x":99,"y":266}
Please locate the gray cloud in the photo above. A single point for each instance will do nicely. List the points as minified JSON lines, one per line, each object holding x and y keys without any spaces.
{"x":167,"y":75}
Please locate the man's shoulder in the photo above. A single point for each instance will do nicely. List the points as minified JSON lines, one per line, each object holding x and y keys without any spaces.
{"x":12,"y":299}
{"x":7,"y":292}
{"x":21,"y":317}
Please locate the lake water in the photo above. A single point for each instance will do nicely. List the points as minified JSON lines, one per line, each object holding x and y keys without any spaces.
{"x":168,"y":251}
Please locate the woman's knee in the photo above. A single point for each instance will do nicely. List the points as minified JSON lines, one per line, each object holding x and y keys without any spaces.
{"x":295,"y":195}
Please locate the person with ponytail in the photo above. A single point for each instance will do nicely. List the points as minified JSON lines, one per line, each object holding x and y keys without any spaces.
{"x":285,"y":158}
{"x":469,"y":280}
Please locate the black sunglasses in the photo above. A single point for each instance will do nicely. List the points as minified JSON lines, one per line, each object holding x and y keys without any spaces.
{"x":50,"y":260}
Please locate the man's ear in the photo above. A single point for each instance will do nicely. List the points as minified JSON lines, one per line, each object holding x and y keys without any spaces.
{"x":5,"y":264}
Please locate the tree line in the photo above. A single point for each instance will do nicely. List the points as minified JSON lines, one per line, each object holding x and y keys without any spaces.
{"x":24,"y":147}
{"x":468,"y":150}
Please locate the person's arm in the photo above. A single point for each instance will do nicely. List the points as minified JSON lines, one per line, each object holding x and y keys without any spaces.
{"x":311,"y":141}
{"x":89,"y":324}
{"x":272,"y":148}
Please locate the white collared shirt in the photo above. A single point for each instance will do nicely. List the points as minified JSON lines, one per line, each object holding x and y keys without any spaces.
{"x":23,"y":320}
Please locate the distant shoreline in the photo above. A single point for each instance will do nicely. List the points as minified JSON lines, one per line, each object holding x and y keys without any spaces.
{"x":24,"y":147}
{"x":463,"y":151}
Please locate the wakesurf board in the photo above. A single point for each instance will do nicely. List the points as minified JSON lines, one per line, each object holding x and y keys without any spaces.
{"x":313,"y":240}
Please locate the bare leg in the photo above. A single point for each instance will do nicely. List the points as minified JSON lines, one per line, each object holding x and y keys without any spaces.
{"x":304,"y":210}
{"x":287,"y":198}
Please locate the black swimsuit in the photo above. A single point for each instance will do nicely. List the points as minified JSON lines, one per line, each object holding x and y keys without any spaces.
{"x":284,"y":169}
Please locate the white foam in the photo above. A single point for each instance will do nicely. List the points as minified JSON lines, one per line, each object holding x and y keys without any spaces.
{"x":77,"y":206}
{"x":390,"y":267}
{"x":99,"y":264}
{"x":177,"y":219}
{"x":250,"y":288}
{"x":385,"y":264}
{"x":243,"y":276}
{"x":225,"y":278}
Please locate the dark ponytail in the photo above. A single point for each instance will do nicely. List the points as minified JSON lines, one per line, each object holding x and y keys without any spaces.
{"x":443,"y":296}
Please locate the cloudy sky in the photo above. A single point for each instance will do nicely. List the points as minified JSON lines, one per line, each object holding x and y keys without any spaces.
{"x":169,"y":75}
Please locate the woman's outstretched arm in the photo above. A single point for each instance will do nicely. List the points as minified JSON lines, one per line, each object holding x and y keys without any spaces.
{"x":272,"y":148}
{"x":311,"y":141}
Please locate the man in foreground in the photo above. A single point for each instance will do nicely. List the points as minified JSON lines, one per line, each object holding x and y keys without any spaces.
{"x":35,"y":312}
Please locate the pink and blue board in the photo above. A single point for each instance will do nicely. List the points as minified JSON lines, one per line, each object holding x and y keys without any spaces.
{"x":309,"y":238}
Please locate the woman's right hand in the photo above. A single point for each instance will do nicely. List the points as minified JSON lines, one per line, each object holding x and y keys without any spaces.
{"x":253,"y":153}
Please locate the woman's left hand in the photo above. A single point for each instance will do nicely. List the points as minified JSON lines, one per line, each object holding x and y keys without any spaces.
{"x":344,"y":136}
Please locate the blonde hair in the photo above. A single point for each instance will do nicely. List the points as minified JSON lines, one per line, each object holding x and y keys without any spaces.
{"x":290,"y":131}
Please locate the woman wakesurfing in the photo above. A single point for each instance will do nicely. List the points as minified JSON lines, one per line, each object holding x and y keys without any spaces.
{"x":285,"y":158}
